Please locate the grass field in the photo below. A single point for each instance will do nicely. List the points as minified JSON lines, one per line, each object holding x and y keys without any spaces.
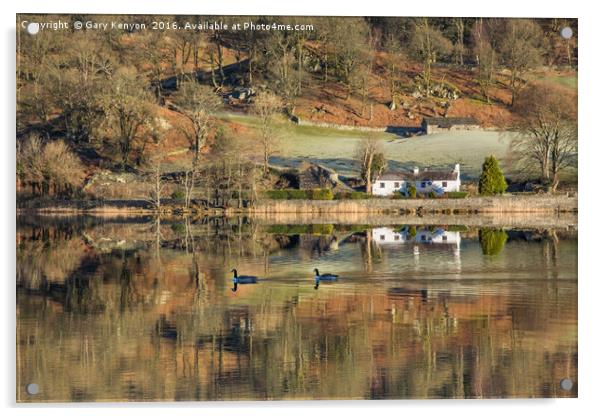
{"x":335,"y":148}
{"x":565,"y":80}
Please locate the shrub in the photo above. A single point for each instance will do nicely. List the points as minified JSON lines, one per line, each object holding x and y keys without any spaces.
{"x":178,"y":195}
{"x":457,"y":195}
{"x":412,"y":231}
{"x":398,"y":195}
{"x":412,"y":190}
{"x":492,"y":181}
{"x":49,"y":165}
{"x":322,"y":194}
{"x":432,"y":194}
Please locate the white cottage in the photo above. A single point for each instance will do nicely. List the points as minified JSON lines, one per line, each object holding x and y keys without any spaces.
{"x":425,"y":181}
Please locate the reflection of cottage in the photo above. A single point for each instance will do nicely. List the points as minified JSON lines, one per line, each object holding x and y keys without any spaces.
{"x":426,"y":181}
{"x":432,"y":125}
{"x":386,"y":235}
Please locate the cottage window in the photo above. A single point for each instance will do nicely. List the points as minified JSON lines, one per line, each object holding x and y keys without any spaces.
{"x":396,"y":184}
{"x":396,"y":237}
{"x":444,"y":238}
{"x":423,"y":237}
{"x":423,"y":185}
{"x":382,"y":184}
{"x":382,"y":236}
{"x":444,"y":184}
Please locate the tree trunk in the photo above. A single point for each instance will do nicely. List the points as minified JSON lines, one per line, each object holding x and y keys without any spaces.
{"x":555,"y":182}
{"x":265,"y":162}
{"x":369,"y":175}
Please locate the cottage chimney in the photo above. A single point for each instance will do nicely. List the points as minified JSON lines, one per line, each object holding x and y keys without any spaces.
{"x":416,"y":170}
{"x":457,"y":168}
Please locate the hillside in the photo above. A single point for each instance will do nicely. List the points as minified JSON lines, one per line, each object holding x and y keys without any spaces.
{"x":139,"y":102}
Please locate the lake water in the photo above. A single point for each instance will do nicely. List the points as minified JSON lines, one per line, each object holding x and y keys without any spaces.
{"x":136,"y":309}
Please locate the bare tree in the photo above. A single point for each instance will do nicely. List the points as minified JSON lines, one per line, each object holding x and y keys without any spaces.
{"x":459,"y":49}
{"x":485,"y":55}
{"x":198,"y":103}
{"x":30,"y":163}
{"x":547,"y":132}
{"x":353,"y":56}
{"x":392,"y":65}
{"x":267,"y":106}
{"x":428,"y":44}
{"x":367,"y":153}
{"x":280,"y":53}
{"x":155,"y":179}
{"x":127,"y":103}
{"x":152,"y":58}
{"x":520,"y":44}
{"x":364,"y":72}
{"x":344,"y":50}
{"x":35,"y":61}
{"x":188,"y":181}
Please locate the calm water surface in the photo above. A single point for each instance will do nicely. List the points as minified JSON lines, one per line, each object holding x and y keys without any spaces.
{"x":119,"y":310}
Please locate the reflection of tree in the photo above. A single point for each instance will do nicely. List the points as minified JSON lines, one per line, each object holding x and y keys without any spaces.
{"x":492,"y":240}
{"x":370,"y":251}
{"x":550,"y":252}
{"x":127,"y":296}
{"x":48,"y":255}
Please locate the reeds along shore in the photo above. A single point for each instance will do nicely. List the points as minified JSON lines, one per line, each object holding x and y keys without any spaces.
{"x":501,"y":204}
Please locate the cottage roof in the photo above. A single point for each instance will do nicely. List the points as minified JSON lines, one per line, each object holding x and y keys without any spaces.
{"x":395,"y":176}
{"x":315,"y":176}
{"x":446,"y":122}
{"x":425,"y":175}
{"x":436,"y":175}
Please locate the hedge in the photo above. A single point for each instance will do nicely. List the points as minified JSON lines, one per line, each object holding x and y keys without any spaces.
{"x":352,"y":195}
{"x":457,"y":195}
{"x":316,"y":229}
{"x":277,"y":194}
{"x":316,"y":194}
{"x":297,"y":194}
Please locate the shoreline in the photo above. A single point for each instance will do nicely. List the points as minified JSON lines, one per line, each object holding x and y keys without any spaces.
{"x":515,"y":204}
{"x":507,"y":211}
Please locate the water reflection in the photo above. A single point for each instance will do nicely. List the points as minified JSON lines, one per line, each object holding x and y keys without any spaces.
{"x":144,"y":310}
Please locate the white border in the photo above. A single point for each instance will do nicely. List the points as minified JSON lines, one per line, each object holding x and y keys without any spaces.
{"x":590,"y":100}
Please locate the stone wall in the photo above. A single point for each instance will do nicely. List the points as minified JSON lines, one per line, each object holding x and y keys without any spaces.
{"x":399,"y":130}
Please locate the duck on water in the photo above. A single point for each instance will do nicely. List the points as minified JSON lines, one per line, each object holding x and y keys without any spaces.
{"x":242,"y":280}
{"x":326,"y":277}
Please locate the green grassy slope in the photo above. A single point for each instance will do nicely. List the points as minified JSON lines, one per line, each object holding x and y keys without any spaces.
{"x":335,"y":148}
